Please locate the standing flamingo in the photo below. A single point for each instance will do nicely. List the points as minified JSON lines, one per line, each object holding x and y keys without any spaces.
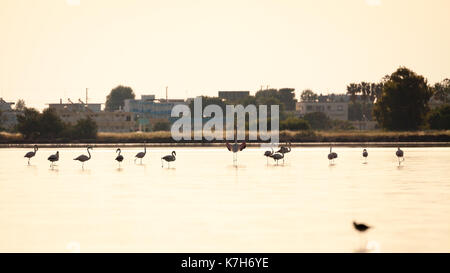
{"x":53,"y":159}
{"x":284,"y":149}
{"x":168,"y":158}
{"x":332,"y":156}
{"x":29,"y":155}
{"x":119,"y":158}
{"x":235,"y":147}
{"x":84,"y":158}
{"x":141,"y":155}
{"x":268,"y":154}
{"x":277,"y":156}
{"x":399,"y":154}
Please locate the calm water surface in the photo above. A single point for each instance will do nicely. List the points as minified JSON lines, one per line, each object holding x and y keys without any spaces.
{"x":204,"y":204}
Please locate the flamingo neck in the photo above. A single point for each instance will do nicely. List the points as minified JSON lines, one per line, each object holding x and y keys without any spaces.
{"x":89,"y":153}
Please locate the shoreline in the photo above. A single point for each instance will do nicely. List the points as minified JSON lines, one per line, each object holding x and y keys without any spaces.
{"x":298,"y":139}
{"x":214,"y":145}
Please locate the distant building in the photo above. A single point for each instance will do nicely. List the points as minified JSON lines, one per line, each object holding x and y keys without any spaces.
{"x":334,"y":110}
{"x":8,"y":116}
{"x":5,"y":106}
{"x":233,"y":95}
{"x":149,"y":110}
{"x":76,"y":107}
{"x":106,"y":121}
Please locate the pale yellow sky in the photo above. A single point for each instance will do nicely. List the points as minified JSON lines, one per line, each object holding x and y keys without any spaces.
{"x":53,"y":49}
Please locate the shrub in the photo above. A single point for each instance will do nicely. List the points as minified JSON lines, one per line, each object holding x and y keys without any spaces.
{"x":294,"y":124}
{"x":161,"y":125}
{"x":439,"y":118}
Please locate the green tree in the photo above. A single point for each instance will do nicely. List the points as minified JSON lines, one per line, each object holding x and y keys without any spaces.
{"x":50,"y":125}
{"x":117,"y":96}
{"x":28,"y":123}
{"x":352,"y":91}
{"x":20,"y":105}
{"x":318,"y":120}
{"x":442,"y":91}
{"x":287,"y":97}
{"x":85,"y":129}
{"x":294,"y":124}
{"x":162,"y":125}
{"x":308,"y":96}
{"x":439,"y":118}
{"x":403,"y":104}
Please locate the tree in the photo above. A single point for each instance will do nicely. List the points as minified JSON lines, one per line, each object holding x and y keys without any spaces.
{"x":294,"y":124}
{"x":404,"y":101}
{"x":287,"y":97}
{"x":353,"y":90}
{"x":162,"y":125}
{"x":439,"y":118}
{"x":117,"y":96}
{"x":28,"y":123}
{"x":318,"y":120}
{"x":85,"y":129}
{"x":50,"y":125}
{"x":442,"y":91}
{"x":20,"y":105}
{"x":308,"y":96}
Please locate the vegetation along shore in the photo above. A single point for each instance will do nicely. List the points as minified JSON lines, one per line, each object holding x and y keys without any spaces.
{"x":433,"y":138}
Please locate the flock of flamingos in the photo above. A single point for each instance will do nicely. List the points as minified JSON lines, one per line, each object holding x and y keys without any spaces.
{"x":232,"y":147}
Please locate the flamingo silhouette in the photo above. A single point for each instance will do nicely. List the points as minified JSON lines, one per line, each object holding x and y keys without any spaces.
{"x":29,"y":155}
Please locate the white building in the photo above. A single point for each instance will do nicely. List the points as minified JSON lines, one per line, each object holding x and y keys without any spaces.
{"x":334,"y":110}
{"x":8,"y":116}
{"x":151,"y":108}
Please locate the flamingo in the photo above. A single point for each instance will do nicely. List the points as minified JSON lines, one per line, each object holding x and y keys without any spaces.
{"x":332,"y":155}
{"x":399,"y":154}
{"x":235,"y":147}
{"x":168,"y":158}
{"x":119,"y":158}
{"x":268,"y":154}
{"x":53,"y":158}
{"x":277,"y":156}
{"x":141,"y":155}
{"x":365,"y":154}
{"x":284,"y":149}
{"x":84,"y":158}
{"x":29,"y":155}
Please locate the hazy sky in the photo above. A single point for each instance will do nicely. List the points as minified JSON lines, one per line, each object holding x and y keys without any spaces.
{"x":52,"y":49}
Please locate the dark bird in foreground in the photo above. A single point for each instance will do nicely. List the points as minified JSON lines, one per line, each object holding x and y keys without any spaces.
{"x":399,"y":154}
{"x":277,"y":156}
{"x":332,"y":156}
{"x":235,"y":147}
{"x":141,"y":155}
{"x":29,"y":155}
{"x":168,"y":159}
{"x":360,"y":227}
{"x":84,"y":158}
{"x":365,"y":154}
{"x":119,"y":158}
{"x":53,"y":158}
